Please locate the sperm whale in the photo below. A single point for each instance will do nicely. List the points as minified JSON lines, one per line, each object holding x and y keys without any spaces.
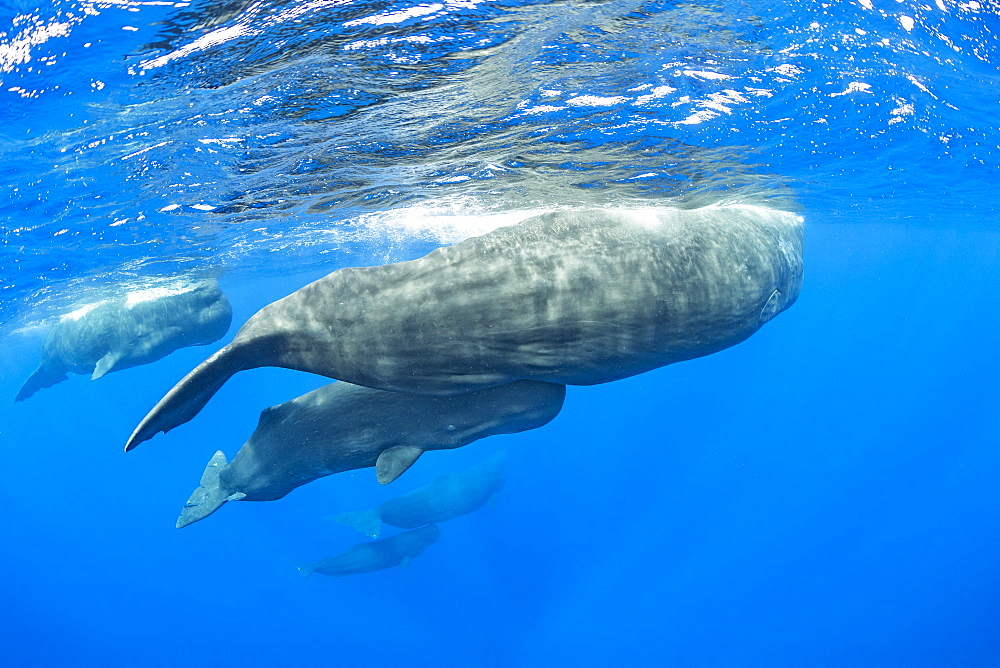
{"x":574,"y":297}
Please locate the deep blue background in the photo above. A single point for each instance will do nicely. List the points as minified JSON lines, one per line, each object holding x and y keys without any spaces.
{"x":823,"y":493}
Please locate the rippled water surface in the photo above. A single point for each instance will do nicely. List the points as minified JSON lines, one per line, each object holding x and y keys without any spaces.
{"x":146,"y":138}
{"x":823,"y":494}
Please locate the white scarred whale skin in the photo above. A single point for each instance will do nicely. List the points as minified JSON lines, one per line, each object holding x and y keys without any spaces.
{"x":121,"y":333}
{"x":447,"y":497}
{"x":341,"y":427}
{"x":574,"y":297}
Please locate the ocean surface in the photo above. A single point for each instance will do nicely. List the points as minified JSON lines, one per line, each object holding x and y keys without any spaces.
{"x":823,"y":494}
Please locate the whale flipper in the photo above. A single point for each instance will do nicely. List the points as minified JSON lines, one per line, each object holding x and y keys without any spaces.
{"x":105,"y":364}
{"x":394,"y":461}
{"x":191,"y":394}
{"x":368,"y":522}
{"x":208,"y":497}
{"x":40,"y":379}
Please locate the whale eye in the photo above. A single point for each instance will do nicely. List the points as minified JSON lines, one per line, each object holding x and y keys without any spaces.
{"x":771,"y":307}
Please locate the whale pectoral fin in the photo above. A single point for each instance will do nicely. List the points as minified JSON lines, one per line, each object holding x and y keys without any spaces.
{"x":393,"y":462}
{"x":105,"y":364}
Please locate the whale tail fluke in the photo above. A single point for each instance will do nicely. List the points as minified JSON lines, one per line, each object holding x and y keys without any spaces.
{"x":40,"y":379}
{"x":209,"y":497}
{"x":305,"y":570}
{"x":190,"y":395}
{"x":368,"y":522}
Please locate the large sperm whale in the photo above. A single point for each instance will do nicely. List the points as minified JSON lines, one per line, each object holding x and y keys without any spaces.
{"x":341,"y":427}
{"x":574,"y":297}
{"x":134,"y":329}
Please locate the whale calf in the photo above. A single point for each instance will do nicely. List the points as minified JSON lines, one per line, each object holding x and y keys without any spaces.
{"x":376,"y":555}
{"x":446,"y":498}
{"x":128,"y":331}
{"x":341,"y":427}
{"x":574,"y":297}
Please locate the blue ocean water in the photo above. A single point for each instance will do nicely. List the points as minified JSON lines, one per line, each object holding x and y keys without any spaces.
{"x":821,"y":494}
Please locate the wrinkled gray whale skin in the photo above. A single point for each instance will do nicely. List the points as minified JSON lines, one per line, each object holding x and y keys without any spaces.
{"x":377,"y":555}
{"x":448,"y":497}
{"x":341,"y":427}
{"x":574,"y":297}
{"x":117,"y":334}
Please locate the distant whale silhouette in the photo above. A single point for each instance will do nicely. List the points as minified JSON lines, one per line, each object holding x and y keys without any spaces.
{"x":571,"y":297}
{"x":376,"y":555}
{"x":125,"y":332}
{"x":448,"y":497}
{"x":341,"y":427}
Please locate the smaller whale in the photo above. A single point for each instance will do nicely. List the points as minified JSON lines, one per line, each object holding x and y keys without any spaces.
{"x":135,"y":329}
{"x":377,"y":555}
{"x":448,"y":497}
{"x":341,"y":427}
